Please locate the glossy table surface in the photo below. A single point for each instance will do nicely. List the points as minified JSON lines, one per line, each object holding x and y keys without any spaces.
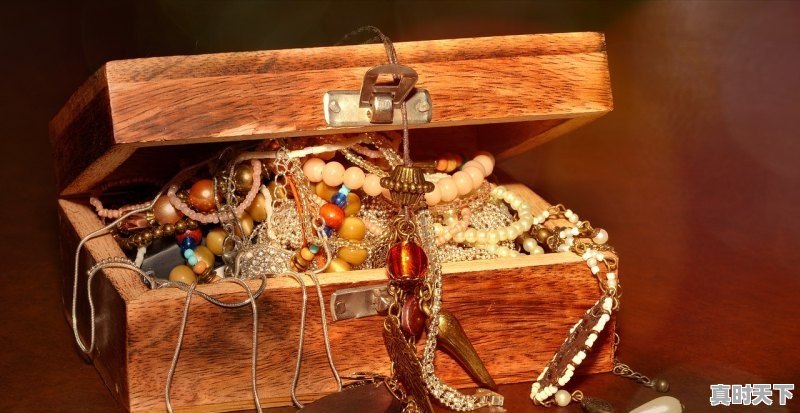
{"x":694,"y":175}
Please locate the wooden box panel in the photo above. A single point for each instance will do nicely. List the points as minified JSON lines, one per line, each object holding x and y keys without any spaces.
{"x":517,"y":312}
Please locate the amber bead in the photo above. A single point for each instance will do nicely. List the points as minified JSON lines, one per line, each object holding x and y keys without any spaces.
{"x":353,"y":205}
{"x":201,"y":195}
{"x":355,"y":256}
{"x":215,"y":239}
{"x":352,"y":229}
{"x":258,"y":209}
{"x":332,"y":214}
{"x":204,"y":254}
{"x":306,"y":254}
{"x":338,"y":265}
{"x":243,"y":178}
{"x":412,"y":318}
{"x":406,"y":262}
{"x":182,"y":273}
{"x":247,"y":225}
{"x":325,"y":191}
{"x":164,"y":212}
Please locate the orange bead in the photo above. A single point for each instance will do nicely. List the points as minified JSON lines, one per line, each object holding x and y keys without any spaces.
{"x":407,"y":262}
{"x":332,"y":214}
{"x":201,"y":195}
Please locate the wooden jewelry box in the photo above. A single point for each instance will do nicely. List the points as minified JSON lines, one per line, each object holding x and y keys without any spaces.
{"x":138,"y":117}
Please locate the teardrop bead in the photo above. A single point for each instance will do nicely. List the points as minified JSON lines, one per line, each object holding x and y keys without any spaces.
{"x":663,"y":404}
{"x":407,"y":262}
{"x":412,"y":318}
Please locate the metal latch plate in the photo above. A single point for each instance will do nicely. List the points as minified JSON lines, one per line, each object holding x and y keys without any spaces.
{"x":343,"y":109}
{"x":359,"y":302}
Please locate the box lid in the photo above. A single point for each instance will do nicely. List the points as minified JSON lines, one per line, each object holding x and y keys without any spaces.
{"x":507,"y":94}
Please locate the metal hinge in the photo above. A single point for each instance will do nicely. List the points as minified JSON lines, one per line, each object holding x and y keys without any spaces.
{"x":359,"y":302}
{"x":379,"y":103}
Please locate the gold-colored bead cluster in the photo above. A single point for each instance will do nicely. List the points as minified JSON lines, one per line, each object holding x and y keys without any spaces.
{"x":407,"y":185}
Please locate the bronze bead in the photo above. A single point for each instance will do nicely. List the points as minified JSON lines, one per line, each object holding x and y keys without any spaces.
{"x":168,"y":229}
{"x":661,"y":385}
{"x":542,"y":234}
{"x":180,"y":227}
{"x":243,"y":178}
{"x":138,"y":240}
{"x":191,"y":224}
{"x":147,"y":236}
{"x":158,"y":232}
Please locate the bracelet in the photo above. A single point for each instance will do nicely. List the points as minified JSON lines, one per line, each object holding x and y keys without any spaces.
{"x":146,"y":237}
{"x":102,"y":212}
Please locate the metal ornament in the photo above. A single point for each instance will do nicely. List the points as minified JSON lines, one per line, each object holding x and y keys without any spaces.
{"x":406,"y":366}
{"x":407,"y":185}
{"x":454,"y":340}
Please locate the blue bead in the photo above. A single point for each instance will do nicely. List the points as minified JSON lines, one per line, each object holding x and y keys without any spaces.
{"x":313,"y":248}
{"x":328,"y":231}
{"x":192,"y":260}
{"x":339,"y":199}
{"x":344,"y":190}
{"x":188,"y":243}
{"x":187,"y":253}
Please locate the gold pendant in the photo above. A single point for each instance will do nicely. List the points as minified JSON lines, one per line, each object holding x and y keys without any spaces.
{"x":406,"y":366}
{"x":454,"y":340}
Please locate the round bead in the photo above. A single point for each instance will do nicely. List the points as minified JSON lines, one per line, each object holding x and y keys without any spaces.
{"x":475,"y":174}
{"x":247,"y":225}
{"x":406,"y":261}
{"x":338,"y":265}
{"x":332,"y":214}
{"x":205,"y":255}
{"x":562,"y":398}
{"x":492,"y":237}
{"x":182,"y":273}
{"x":243,"y":178}
{"x":188,"y":243}
{"x":278,"y":192}
{"x":661,"y":385}
{"x":477,"y":165}
{"x":200,"y":267}
{"x":307,"y":254}
{"x":215,"y":239}
{"x":372,"y":185}
{"x":487,"y":160}
{"x":412,"y":318}
{"x":463,"y":182}
{"x":481,"y":236}
{"x":339,"y":199}
{"x":528,"y":244}
{"x":441,"y":164}
{"x":353,"y":229}
{"x":258,"y":209}
{"x":312,"y":169}
{"x":325,"y":191}
{"x":164,"y":212}
{"x":433,"y":197}
{"x":600,"y":236}
{"x":542,"y":234}
{"x":201,"y":195}
{"x":354,"y":178}
{"x":354,"y":256}
{"x":353,"y":205}
{"x":193,"y":234}
{"x":471,"y":235}
{"x":333,"y":173}
{"x":448,"y":188}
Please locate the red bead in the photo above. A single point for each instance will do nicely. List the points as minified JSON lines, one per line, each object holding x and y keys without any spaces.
{"x":201,"y":195}
{"x":407,"y":261}
{"x":332,"y":214}
{"x":412,"y":318}
{"x":196,"y":233}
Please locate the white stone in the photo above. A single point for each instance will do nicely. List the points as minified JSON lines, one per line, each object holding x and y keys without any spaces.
{"x":663,"y":404}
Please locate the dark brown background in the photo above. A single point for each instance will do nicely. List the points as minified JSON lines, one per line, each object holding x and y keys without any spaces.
{"x":695,"y":174}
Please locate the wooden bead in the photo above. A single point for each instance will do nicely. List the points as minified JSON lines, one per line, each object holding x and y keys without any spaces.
{"x":333,"y":174}
{"x":182,"y":273}
{"x":243,"y":178}
{"x":201,"y":195}
{"x":353,"y":205}
{"x":312,"y":169}
{"x":338,"y":265}
{"x":354,"y":256}
{"x":353,"y":229}
{"x":325,"y":191}
{"x":258,"y":209}
{"x":332,"y":215}
{"x":215,"y":240}
{"x":354,"y":178}
{"x":372,"y":185}
{"x":164,"y":212}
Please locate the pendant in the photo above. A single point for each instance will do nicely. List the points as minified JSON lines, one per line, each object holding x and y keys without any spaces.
{"x":663,"y":404}
{"x":367,"y":398}
{"x":406,"y":365}
{"x":594,"y":405}
{"x":454,"y":340}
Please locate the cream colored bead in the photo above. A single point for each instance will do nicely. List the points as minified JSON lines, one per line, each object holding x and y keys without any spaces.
{"x":492,"y":237}
{"x":562,"y":398}
{"x":537,"y":250}
{"x":481,"y":237}
{"x":528,"y":244}
{"x":600,"y":237}
{"x":459,"y":237}
{"x":471,"y":235}
{"x":502,"y":251}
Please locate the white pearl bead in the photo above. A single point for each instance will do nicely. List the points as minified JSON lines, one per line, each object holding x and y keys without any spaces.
{"x":492,"y":237}
{"x":481,"y":237}
{"x":499,"y":192}
{"x":471,"y":235}
{"x":600,"y":237}
{"x":492,"y":249}
{"x":503,"y":252}
{"x":562,"y":398}
{"x":537,"y":250}
{"x":502,"y":234}
{"x":528,"y":244}
{"x":459,"y":237}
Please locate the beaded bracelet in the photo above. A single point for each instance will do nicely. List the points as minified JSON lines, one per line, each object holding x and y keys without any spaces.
{"x":146,"y":237}
{"x":102,"y":212}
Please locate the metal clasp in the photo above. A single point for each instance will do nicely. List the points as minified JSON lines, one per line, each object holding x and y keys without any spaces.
{"x":359,"y":302}
{"x":379,"y":102}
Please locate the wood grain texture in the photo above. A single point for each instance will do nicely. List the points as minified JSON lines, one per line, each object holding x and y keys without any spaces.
{"x":256,"y":95}
{"x":517,"y":312}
